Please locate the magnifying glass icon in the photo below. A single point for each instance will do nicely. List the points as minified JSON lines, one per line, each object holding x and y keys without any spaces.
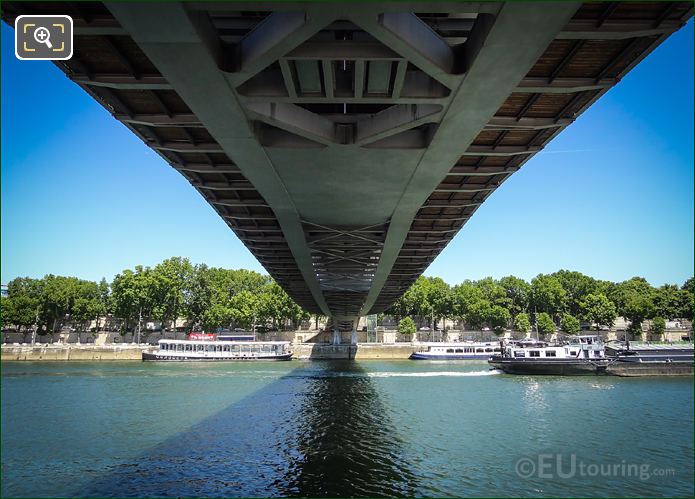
{"x":42,"y":35}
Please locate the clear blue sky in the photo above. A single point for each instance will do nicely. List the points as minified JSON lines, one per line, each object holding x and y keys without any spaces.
{"x":612,"y":196}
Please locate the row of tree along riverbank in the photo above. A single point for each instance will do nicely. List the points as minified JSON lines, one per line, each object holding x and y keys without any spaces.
{"x":563,"y":299}
{"x":211,"y":297}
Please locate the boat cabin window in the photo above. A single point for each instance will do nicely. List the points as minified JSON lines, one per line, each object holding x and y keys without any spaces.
{"x":488,"y":349}
{"x":550,"y":353}
{"x":449,"y":350}
{"x":534,"y":353}
{"x":459,"y":350}
{"x":498,"y":349}
{"x":519,"y":353}
{"x":480,"y":350}
{"x":468,"y":350}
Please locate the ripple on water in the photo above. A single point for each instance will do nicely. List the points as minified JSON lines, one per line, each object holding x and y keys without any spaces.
{"x":331,"y":429}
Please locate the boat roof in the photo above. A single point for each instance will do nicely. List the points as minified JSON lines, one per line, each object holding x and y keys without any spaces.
{"x":461,"y":343}
{"x":209,"y":342}
{"x":650,"y":346}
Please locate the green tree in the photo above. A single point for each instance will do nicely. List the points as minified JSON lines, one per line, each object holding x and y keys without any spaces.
{"x":518,"y":294}
{"x":658,"y":326}
{"x":493,"y":292}
{"x":58,"y":298}
{"x":570,"y":324}
{"x":21,"y":311}
{"x":598,"y":309}
{"x":576,"y":286}
{"x":463,"y":297}
{"x":87,"y":304}
{"x":522,"y":323}
{"x":478,"y":313}
{"x":104,"y":291}
{"x":245,"y":307}
{"x":170,"y":279}
{"x":134,"y":295}
{"x":545,"y":323}
{"x":279,"y":307}
{"x":406,"y":326}
{"x":634,"y":300}
{"x":672,"y":302}
{"x":199,"y":294}
{"x":548,"y":295}
{"x":428,"y":299}
{"x":498,"y":318}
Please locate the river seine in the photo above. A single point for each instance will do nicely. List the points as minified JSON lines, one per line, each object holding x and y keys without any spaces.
{"x":376,"y":428}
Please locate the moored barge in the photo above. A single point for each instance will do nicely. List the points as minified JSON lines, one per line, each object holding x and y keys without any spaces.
{"x":646,"y":359}
{"x":580,"y":356}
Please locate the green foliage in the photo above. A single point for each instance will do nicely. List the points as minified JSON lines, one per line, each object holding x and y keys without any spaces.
{"x":478,"y":313}
{"x":670,"y":301}
{"x":518,"y":294}
{"x":570,"y":324}
{"x":498,"y":318}
{"x":135,"y":294}
{"x":427,"y":298}
{"x":577,"y":286}
{"x":19,"y":310}
{"x":522,"y":323}
{"x":170,"y":280}
{"x":406,"y":326}
{"x":214,"y":297}
{"x":658,"y":325}
{"x":464,"y":296}
{"x":634,"y":300}
{"x":545,"y":323}
{"x":493,"y":292}
{"x":598,"y":309}
{"x":548,"y":295}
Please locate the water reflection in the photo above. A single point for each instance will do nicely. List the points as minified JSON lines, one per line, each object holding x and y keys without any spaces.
{"x":318,"y":431}
{"x":348,"y":444}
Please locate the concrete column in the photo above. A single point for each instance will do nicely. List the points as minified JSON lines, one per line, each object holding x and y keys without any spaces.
{"x":336,"y":337}
{"x":353,"y":337}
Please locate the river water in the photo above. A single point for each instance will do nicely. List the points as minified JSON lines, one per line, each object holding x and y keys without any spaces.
{"x":373,"y":428}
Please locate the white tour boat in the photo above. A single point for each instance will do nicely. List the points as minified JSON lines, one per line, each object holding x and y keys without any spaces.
{"x":468,"y":350}
{"x":213,"y":350}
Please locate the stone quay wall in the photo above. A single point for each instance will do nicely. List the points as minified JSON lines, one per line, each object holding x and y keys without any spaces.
{"x":91,"y":352}
{"x":58,"y":352}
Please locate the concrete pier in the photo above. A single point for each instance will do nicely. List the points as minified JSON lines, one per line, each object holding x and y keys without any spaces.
{"x":360,"y":351}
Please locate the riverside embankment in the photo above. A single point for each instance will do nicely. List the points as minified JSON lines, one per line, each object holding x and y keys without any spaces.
{"x":60,"y":352}
{"x":302,"y":351}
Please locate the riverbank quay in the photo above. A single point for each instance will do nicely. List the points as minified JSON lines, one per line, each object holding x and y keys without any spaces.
{"x":73,"y":352}
{"x":302,"y":351}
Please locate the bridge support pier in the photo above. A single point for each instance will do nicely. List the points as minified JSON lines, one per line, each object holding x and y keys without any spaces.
{"x":336,"y":337}
{"x":353,"y":337}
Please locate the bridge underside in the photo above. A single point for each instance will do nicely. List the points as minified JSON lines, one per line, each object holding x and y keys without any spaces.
{"x":347,"y":143}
